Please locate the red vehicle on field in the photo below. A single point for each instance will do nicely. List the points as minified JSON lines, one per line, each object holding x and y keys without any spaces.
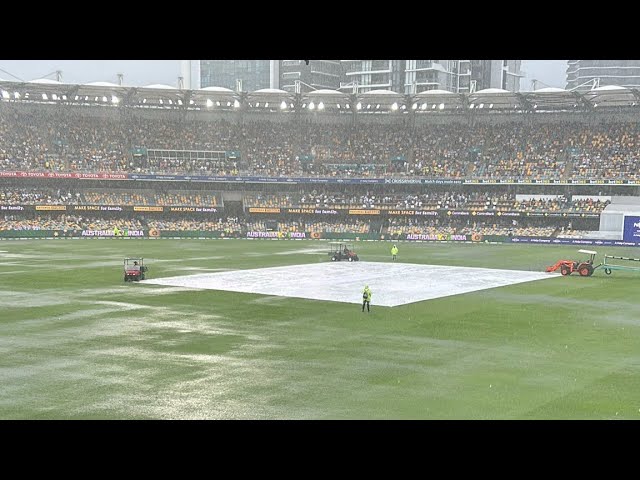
{"x":567,"y":267}
{"x":342,"y":251}
{"x":134,"y":269}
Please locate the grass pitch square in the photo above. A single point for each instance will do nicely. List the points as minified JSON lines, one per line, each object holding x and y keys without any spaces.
{"x":392,"y":284}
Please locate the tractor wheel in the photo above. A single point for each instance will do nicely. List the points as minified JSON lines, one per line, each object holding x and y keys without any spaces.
{"x":351,"y":259}
{"x":565,"y":270}
{"x":333,"y":259}
{"x":357,"y":258}
{"x":607,"y":271}
{"x":586,"y":271}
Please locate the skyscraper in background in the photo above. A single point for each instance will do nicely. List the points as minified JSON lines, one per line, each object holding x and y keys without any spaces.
{"x":581,"y":74}
{"x":316,"y":75}
{"x":415,"y":76}
{"x":360,"y":76}
{"x":245,"y":75}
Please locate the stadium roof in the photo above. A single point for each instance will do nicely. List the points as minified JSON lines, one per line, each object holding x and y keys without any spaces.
{"x":269,"y":90}
{"x":216,"y":89}
{"x":380,"y":93}
{"x":161,"y":86}
{"x":494,"y":98}
{"x":612,"y":96}
{"x":429,"y":93}
{"x":166,"y":96}
{"x":101,"y":84}
{"x":326,"y":92}
{"x":46,"y":81}
{"x":550,"y":98}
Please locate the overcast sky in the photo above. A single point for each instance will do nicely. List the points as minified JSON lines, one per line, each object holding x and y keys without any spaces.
{"x":145,"y":72}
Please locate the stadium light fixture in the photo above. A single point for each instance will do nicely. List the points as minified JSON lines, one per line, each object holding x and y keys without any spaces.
{"x":161,"y":102}
{"x":403,"y":107}
{"x":312,"y":105}
{"x":291,"y":105}
{"x":348,"y":106}
{"x":144,"y":100}
{"x":191,"y":102}
{"x":44,"y":96}
{"x":5,"y":95}
{"x":64,"y":97}
{"x":359,"y":106}
{"x":491,"y":105}
{"x":304,"y":105}
{"x":170,"y":102}
{"x":209,"y":103}
{"x":114,"y":99}
{"x":441,"y":106}
{"x":217,"y":103}
{"x":481,"y":105}
{"x":77,"y":97}
{"x":471,"y":106}
{"x":423,"y":107}
{"x":104,"y":98}
{"x":54,"y":96}
{"x":414,"y":106}
{"x":96,"y":99}
{"x":368,"y":106}
{"x":378,"y":106}
{"x":229,"y":104}
{"x":283,"y":105}
{"x":179,"y":102}
{"x":394,"y":106}
{"x":433,"y":107}
{"x":16,"y":95}
{"x":338,"y":105}
{"x":236,"y":104}
{"x":257,"y":104}
{"x":321,"y":106}
{"x":266,"y":105}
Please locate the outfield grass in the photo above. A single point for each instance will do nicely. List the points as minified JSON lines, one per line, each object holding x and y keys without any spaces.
{"x":78,"y":343}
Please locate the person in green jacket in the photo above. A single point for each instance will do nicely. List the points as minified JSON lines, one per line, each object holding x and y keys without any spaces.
{"x":394,"y":253}
{"x":366,"y":297}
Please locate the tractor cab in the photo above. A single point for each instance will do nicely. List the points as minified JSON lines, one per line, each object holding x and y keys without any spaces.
{"x":584,"y":267}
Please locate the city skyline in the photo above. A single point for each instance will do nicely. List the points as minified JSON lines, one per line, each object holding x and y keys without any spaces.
{"x":146,"y":72}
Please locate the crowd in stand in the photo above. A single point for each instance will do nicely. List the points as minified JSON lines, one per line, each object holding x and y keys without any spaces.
{"x":229,"y":225}
{"x":69,"y":222}
{"x":235,"y":226}
{"x":71,"y":139}
{"x":479,"y":201}
{"x":57,"y":196}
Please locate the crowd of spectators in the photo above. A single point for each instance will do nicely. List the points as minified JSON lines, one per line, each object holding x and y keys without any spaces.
{"x":228,"y":225}
{"x":56,"y":196}
{"x":478,"y":200}
{"x":71,"y":139}
{"x":69,"y":222}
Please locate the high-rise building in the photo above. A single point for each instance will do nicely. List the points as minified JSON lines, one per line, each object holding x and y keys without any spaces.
{"x":415,"y":76}
{"x":314,"y":75}
{"x":503,"y":74}
{"x":582,"y":75}
{"x":244,"y":75}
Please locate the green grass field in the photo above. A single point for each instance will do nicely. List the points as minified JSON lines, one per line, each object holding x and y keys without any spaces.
{"x":78,"y":343}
